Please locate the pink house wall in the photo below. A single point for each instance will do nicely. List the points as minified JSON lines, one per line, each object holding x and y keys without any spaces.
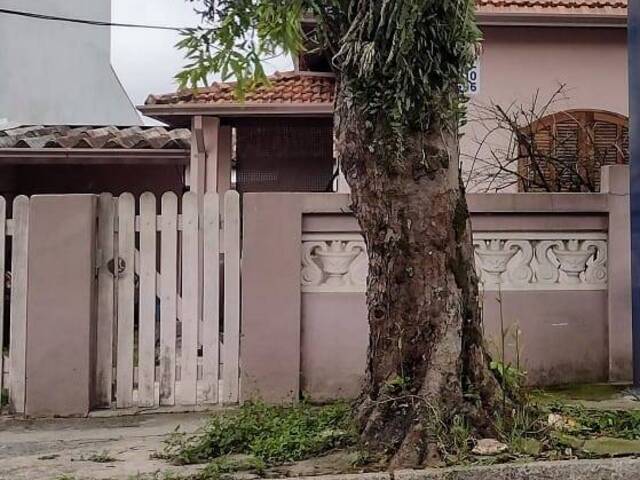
{"x":518,"y":61}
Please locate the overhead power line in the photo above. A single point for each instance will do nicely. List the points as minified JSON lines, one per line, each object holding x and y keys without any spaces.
{"x":42,"y":16}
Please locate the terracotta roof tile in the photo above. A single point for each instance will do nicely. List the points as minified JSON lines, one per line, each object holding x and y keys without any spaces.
{"x":611,"y":7}
{"x":110,"y":137}
{"x":290,"y":87}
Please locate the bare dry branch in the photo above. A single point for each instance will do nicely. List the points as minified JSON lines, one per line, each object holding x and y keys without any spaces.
{"x":538,"y":146}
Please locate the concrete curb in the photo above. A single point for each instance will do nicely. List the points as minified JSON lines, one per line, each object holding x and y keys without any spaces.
{"x":600,"y":469}
{"x":347,"y":476}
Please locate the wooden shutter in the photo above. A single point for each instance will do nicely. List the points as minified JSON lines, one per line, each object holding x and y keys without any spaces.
{"x":580,"y":142}
{"x":542,"y":140}
{"x":566,"y":149}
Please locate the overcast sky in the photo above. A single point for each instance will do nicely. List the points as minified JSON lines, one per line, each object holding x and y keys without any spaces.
{"x":146,"y":60}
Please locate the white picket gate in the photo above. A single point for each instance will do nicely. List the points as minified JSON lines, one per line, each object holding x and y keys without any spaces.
{"x":13,"y":282}
{"x":162,"y":338}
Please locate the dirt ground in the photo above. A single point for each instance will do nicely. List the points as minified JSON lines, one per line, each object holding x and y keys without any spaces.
{"x":51,"y":449}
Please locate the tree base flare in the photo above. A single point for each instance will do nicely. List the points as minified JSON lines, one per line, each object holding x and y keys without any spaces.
{"x":420,"y":429}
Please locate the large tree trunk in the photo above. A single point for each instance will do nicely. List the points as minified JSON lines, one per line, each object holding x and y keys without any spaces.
{"x":426,"y":360}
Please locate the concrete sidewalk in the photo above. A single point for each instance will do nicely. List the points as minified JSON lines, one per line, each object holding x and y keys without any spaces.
{"x":49,"y":449}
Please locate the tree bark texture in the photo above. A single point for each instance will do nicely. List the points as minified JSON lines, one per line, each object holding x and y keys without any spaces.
{"x":426,"y":360}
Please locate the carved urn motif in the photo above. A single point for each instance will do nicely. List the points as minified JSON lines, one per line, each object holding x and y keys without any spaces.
{"x":508,"y":261}
{"x":494,"y":257}
{"x":335,"y":260}
{"x":573,"y":259}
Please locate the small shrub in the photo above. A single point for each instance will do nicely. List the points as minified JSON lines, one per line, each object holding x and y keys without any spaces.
{"x":524,"y":421}
{"x":272,"y":434}
{"x":362,"y":457}
{"x":226,"y":465}
{"x":103,"y":457}
{"x":457,"y":441}
{"x":611,"y":423}
{"x":397,"y":385}
{"x":510,"y":377}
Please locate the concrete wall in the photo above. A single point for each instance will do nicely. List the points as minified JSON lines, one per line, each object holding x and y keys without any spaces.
{"x":58,"y":72}
{"x":557,"y":328}
{"x":319,"y":323}
{"x":304,"y":329}
{"x":332,"y":341}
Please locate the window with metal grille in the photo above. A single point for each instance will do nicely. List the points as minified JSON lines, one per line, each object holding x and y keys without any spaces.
{"x":564,"y":152}
{"x":284,"y":155}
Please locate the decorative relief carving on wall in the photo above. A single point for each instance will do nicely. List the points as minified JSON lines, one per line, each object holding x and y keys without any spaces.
{"x":334,"y":263}
{"x":506,"y":260}
{"x":541,"y":261}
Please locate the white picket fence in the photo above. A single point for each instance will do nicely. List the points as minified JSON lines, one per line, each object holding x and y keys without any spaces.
{"x":13,"y":238}
{"x":168,"y":323}
{"x":162,"y":338}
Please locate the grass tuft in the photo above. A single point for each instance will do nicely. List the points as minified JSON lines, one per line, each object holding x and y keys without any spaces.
{"x":103,"y":457}
{"x":271,"y":434}
{"x":595,"y":423}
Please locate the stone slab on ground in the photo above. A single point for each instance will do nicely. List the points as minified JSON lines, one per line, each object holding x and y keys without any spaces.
{"x":48,"y":449}
{"x":599,"y":396}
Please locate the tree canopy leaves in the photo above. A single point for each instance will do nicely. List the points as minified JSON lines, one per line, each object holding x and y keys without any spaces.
{"x":401,"y":60}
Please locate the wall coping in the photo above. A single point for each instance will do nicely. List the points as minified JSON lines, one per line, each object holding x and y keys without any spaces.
{"x":478,"y":202}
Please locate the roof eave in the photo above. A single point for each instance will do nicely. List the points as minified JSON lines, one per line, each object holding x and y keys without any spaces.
{"x":238,"y":110}
{"x":556,"y":19}
{"x":91,"y":156}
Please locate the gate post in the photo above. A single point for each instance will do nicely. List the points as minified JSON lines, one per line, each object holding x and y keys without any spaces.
{"x":270,"y":340}
{"x":60,"y":351}
{"x":615,"y":183}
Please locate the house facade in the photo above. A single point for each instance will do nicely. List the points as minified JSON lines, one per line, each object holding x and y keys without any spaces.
{"x":60,"y":73}
{"x":533,"y":49}
{"x":317,"y":316}
{"x":66,"y":122}
{"x":252,"y":283}
{"x":567,"y":53}
{"x":63,"y":159}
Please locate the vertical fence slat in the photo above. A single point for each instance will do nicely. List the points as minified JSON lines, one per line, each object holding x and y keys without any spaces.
{"x":147,"y":302}
{"x":168,"y":291}
{"x":231,"y":297}
{"x":190,"y":275}
{"x":3,"y":232}
{"x":18,"y":321}
{"x":211,"y":298}
{"x":126,"y":276}
{"x":106,"y":310}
